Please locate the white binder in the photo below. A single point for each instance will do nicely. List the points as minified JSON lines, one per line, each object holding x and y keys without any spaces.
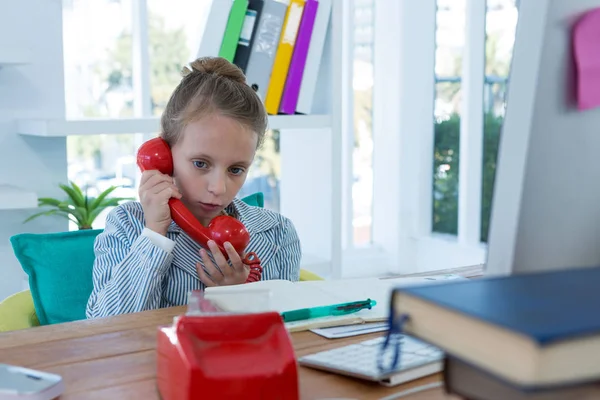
{"x":313,"y":58}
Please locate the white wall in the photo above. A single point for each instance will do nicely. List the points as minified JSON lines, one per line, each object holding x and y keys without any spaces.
{"x":34,"y":90}
{"x":403,"y":130}
{"x":310,"y":171}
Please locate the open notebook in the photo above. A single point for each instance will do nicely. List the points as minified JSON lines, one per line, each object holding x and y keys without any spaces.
{"x":282,"y":295}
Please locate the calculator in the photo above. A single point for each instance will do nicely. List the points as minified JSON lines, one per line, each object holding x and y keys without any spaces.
{"x":417,"y":359}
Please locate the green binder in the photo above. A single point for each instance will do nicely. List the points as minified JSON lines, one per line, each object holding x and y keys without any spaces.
{"x":233,"y":29}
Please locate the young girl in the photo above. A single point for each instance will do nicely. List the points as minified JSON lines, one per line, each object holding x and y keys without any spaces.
{"x":214,"y":123}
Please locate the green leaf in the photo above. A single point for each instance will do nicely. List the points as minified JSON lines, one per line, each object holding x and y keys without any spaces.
{"x":47,"y":201}
{"x":77,"y":199}
{"x":47,"y":213}
{"x":102,"y":196}
{"x":75,"y":212}
{"x":76,"y":188}
{"x":78,"y":207}
{"x":79,"y":213}
{"x":83,"y":213}
{"x":94,"y":214}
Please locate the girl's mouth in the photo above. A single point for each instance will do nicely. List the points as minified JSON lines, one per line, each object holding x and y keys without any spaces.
{"x":208,"y":207}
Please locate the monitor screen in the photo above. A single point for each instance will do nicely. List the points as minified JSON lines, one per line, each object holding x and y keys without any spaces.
{"x":546,"y":203}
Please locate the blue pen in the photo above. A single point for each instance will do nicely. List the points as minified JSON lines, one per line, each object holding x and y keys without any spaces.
{"x":327,"y":311}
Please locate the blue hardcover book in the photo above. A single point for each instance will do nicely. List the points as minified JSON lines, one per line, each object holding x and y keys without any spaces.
{"x":535,"y":329}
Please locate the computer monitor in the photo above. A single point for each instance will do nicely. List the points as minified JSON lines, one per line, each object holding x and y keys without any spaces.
{"x":546,"y":204}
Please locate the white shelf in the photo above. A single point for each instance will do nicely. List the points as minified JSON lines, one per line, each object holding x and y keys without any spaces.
{"x":14,"y":56}
{"x":299,"y":121}
{"x":92,"y":126}
{"x":14,"y":198}
{"x":97,"y":126}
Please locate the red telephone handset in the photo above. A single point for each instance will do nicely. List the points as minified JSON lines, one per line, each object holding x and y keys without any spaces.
{"x":156,"y":154}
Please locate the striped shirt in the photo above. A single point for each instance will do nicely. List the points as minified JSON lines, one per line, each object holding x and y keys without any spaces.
{"x":137,"y":269}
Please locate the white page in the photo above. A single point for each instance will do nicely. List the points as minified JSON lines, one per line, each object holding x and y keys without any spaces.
{"x":274,"y":295}
{"x":376,"y":289}
{"x":282,"y":295}
{"x":337,"y":332}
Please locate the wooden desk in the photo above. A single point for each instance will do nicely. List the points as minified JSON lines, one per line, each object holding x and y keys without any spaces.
{"x":114,"y":358}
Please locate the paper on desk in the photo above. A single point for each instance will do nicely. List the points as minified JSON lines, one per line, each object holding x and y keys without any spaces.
{"x":337,"y":332}
{"x":359,"y":289}
{"x":586,"y":51}
{"x":282,"y":295}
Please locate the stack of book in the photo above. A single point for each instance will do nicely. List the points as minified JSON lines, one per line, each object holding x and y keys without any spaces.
{"x":277,"y":43}
{"x":528,"y":336}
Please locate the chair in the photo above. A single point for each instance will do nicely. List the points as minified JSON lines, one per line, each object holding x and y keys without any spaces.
{"x":17,"y":312}
{"x":54,"y":261}
{"x":306,"y":275}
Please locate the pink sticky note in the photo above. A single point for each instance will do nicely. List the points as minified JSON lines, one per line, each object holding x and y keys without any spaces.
{"x":586,"y":47}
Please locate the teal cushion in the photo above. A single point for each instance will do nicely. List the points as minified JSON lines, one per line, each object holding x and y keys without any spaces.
{"x":59,"y":266}
{"x":256,"y":199}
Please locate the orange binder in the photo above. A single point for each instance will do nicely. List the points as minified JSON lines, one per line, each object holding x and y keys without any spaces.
{"x":285,"y":49}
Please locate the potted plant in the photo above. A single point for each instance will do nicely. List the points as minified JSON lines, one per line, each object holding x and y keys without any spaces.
{"x":78,"y":207}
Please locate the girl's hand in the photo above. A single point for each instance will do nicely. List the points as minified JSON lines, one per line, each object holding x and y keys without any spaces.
{"x":221,"y":272}
{"x":155,"y":191}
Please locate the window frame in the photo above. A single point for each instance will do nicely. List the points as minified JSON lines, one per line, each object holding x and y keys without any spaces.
{"x":404,"y":97}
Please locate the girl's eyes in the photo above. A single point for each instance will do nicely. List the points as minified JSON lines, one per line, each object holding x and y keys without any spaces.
{"x":203,"y":165}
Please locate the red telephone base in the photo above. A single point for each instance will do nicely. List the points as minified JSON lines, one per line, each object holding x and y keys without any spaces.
{"x":225,"y":356}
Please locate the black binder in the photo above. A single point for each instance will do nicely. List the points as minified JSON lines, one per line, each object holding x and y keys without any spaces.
{"x":242,"y":53}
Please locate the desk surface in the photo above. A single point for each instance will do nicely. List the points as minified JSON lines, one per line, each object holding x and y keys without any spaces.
{"x":114,"y":358}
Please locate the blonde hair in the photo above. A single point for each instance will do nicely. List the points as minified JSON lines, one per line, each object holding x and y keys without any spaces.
{"x":212,"y":85}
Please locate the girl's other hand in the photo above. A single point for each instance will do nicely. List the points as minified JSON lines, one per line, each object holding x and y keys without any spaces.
{"x":221,"y":272}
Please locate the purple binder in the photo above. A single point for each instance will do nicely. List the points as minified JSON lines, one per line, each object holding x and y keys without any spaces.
{"x":289,"y":99}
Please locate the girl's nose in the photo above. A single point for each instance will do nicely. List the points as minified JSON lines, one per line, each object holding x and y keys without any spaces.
{"x":217,"y":184}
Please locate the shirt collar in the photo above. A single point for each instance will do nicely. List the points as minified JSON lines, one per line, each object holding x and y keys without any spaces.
{"x":253,"y":218}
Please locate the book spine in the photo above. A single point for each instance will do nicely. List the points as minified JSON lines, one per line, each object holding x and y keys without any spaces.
{"x":233,"y":29}
{"x":313,"y":58}
{"x":265,"y":45}
{"x":248,"y":33}
{"x":283,"y":56}
{"x":291,"y":91}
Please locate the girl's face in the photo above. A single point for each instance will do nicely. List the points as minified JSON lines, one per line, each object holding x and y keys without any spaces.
{"x":210,"y":164}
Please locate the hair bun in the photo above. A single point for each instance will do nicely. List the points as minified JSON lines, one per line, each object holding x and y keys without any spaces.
{"x":215,"y":65}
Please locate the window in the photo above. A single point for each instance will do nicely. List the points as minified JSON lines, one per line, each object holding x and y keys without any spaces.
{"x":96,"y":58}
{"x":501,"y":18}
{"x":362,"y":160}
{"x":501,"y":22}
{"x":450,"y":35}
{"x":174,"y":30}
{"x":429,"y":211}
{"x":100,"y":81}
{"x":97,"y":62}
